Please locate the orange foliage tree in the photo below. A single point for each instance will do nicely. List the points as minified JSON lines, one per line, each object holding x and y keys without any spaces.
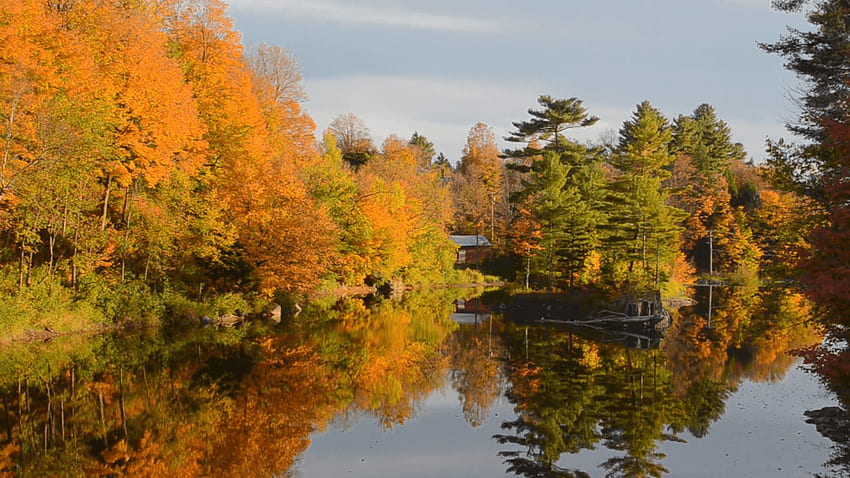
{"x":280,"y":232}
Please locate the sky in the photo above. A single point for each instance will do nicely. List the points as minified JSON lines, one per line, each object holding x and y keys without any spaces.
{"x":441,"y":66}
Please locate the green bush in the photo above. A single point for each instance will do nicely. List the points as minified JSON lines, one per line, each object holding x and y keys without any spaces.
{"x":45,"y":304}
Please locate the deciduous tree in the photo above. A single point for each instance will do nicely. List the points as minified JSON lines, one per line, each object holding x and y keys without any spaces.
{"x":478,"y":182}
{"x":353,"y":139}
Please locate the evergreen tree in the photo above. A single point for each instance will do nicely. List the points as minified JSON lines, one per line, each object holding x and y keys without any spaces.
{"x":424,"y":149}
{"x":643,"y":236}
{"x":821,"y":169}
{"x":442,"y":166}
{"x":566,"y":221}
{"x":546,"y":127}
{"x":707,"y":140}
{"x":819,"y":58}
{"x":570,"y":216}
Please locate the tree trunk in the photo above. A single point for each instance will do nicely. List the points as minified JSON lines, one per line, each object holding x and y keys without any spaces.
{"x":121,"y":402}
{"x":65,"y":221}
{"x":105,"y":203}
{"x":21,"y":269}
{"x":126,"y":212}
{"x":125,"y":206}
{"x":6,"y":420}
{"x":52,"y":248}
{"x":29,"y":267}
{"x":102,"y":418}
{"x":147,"y":266}
{"x":74,"y":260}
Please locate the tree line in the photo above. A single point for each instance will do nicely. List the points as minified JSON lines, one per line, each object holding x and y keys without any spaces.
{"x":143,"y":144}
{"x":658,"y":206}
{"x":145,"y":149}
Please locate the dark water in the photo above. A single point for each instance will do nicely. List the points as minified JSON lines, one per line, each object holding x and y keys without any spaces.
{"x":418,"y":389}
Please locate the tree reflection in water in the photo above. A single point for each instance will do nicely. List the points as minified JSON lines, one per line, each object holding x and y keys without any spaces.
{"x":476,"y":356}
{"x":830,"y":362}
{"x":245,"y":402}
{"x":237,"y":402}
{"x":572,"y":393}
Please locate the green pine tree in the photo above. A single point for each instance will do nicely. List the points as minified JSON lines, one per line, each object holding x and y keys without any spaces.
{"x":642,"y":237}
{"x":707,"y":140}
{"x":563,"y":185}
{"x":547,"y":126}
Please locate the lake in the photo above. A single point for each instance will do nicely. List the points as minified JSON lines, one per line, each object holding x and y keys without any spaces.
{"x":437,"y":384}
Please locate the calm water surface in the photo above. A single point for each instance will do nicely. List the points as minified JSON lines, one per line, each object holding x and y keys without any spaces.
{"x":424,"y":388}
{"x":763,"y":434}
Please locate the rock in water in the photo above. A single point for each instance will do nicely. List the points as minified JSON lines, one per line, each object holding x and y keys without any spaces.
{"x":275,"y":314}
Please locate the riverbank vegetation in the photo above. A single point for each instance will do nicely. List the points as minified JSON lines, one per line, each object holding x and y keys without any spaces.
{"x":152,"y":166}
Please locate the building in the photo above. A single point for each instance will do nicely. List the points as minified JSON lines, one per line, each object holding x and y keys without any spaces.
{"x":472,"y":249}
{"x":470,"y":311}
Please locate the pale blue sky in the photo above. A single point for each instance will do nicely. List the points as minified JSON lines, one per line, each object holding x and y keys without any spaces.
{"x":439,"y":67}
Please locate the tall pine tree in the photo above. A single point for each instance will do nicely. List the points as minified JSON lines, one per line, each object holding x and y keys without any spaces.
{"x":562,"y":186}
{"x":643,"y":237}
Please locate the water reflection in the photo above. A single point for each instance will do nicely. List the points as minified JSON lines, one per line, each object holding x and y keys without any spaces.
{"x":572,"y":393}
{"x":476,"y":355}
{"x":246,"y":401}
{"x":830,"y":362}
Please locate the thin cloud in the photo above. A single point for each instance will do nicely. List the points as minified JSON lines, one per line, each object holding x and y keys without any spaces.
{"x":757,"y":4}
{"x":370,"y":15}
{"x":442,"y":109}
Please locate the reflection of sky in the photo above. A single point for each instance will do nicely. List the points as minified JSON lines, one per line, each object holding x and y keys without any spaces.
{"x":437,"y":442}
{"x":762,"y":434}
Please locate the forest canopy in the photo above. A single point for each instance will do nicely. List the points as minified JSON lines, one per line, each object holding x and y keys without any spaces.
{"x":147,"y":153}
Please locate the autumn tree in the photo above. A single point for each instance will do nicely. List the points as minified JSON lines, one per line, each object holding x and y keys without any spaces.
{"x":279,"y":232}
{"x":54,"y":127}
{"x":408,"y":209}
{"x":155,"y":130}
{"x":525,"y":235}
{"x":279,"y":68}
{"x":123,"y":109}
{"x":276,"y":78}
{"x":478,"y":182}
{"x":353,"y":139}
{"x":334,"y":186}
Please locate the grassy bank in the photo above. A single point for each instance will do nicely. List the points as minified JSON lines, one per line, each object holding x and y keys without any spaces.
{"x":47,"y":308}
